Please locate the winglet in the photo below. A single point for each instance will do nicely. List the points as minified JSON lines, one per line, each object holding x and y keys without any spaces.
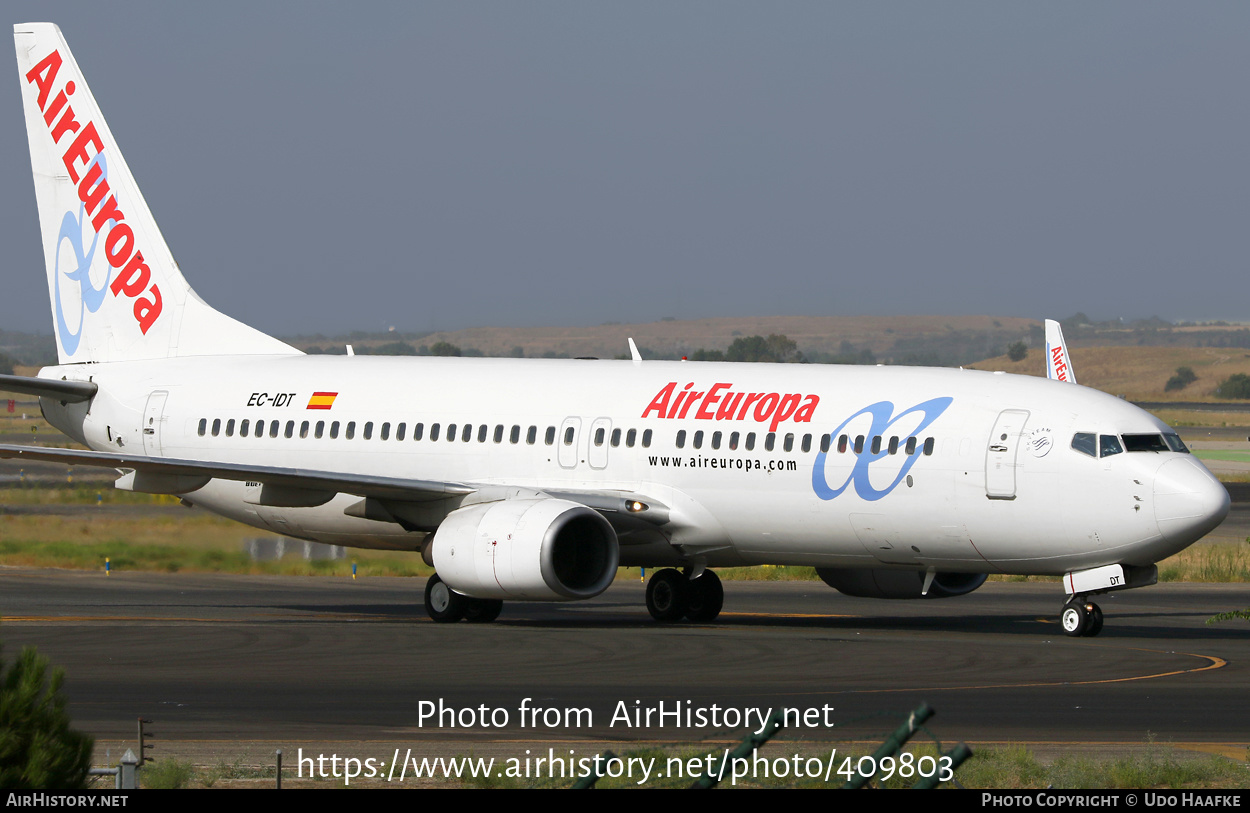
{"x":633,"y":352}
{"x":1058,"y":362}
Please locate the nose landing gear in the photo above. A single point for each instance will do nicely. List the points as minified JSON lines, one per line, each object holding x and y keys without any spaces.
{"x":1081,"y":618}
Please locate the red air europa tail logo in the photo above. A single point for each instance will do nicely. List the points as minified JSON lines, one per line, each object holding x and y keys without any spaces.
{"x":1060,"y":361}
{"x":120,"y":245}
{"x":720,"y":403}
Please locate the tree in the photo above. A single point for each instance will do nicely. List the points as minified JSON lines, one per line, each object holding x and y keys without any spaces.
{"x":444,"y":349}
{"x":1183,"y":378}
{"x":38,"y":749}
{"x":1236,"y":385}
{"x":1017,"y":351}
{"x":776,"y":348}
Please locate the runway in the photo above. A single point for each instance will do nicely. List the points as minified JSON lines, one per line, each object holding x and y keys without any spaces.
{"x":225,"y":660}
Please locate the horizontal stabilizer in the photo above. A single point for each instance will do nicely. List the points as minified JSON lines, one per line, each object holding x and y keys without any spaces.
{"x":68,"y":391}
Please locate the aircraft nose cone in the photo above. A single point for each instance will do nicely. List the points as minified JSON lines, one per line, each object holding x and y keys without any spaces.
{"x":1189,"y":501}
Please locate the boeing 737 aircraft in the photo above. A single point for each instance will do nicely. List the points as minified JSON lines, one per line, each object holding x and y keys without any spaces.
{"x":535,"y":479}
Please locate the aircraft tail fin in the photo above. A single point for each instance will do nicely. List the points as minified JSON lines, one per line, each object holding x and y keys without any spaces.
{"x":117,"y":293}
{"x":1058,"y":362}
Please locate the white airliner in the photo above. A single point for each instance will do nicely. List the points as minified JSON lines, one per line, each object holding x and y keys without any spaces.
{"x":535,"y":479}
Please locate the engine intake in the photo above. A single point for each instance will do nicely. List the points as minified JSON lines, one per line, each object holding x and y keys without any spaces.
{"x":887,"y":583}
{"x":538,"y":549}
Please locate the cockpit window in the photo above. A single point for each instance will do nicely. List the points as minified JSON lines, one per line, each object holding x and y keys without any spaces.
{"x":1145,"y":443}
{"x":1109,"y":445}
{"x":1176,"y":444}
{"x":1085,"y":443}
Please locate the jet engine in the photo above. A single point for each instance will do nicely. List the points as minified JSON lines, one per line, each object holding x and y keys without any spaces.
{"x":886,"y":583}
{"x":539,"y":549}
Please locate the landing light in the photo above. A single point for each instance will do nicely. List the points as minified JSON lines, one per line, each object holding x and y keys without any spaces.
{"x":633,"y":506}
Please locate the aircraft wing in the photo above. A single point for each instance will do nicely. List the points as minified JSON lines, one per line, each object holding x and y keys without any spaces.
{"x":173,"y":473}
{"x":307,"y":487}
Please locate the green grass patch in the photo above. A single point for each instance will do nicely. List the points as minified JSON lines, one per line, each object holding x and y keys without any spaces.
{"x":167,"y":774}
{"x":1236,"y":457}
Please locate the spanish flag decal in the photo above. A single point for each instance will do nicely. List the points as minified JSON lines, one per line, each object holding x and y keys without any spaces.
{"x":322,"y":400}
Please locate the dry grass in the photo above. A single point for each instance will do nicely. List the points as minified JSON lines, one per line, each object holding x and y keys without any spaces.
{"x":1140,"y":373}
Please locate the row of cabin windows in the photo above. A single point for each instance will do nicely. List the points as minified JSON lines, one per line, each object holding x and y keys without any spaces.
{"x":436,"y":430}
{"x":805,"y":445}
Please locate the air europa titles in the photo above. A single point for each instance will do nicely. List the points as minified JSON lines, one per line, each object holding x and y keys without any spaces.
{"x":1060,"y":363}
{"x":84,"y":145}
{"x":721,"y":404}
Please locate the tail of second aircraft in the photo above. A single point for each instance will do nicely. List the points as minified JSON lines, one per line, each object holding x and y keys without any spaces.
{"x":117,"y":293}
{"x":1058,"y":362}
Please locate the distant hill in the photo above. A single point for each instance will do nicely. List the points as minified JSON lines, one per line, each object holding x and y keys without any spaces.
{"x":933,"y":340}
{"x":1139,"y":373}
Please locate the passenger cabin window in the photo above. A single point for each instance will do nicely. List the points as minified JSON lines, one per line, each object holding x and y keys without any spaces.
{"x":303,"y":429}
{"x":482,"y":432}
{"x":1109,"y":445}
{"x":788,"y":445}
{"x":334,"y":430}
{"x":646,"y":439}
{"x":550,"y":437}
{"x":750,"y":441}
{"x":1085,"y":443}
{"x":894,"y":444}
{"x":321,"y":428}
{"x":368,"y":433}
{"x":807,"y":443}
{"x":290,"y":429}
{"x":911,"y":446}
{"x":466,"y":434}
{"x":499,"y":433}
{"x":770,"y":440}
{"x":216,"y":427}
{"x":399,"y":431}
{"x":876,"y":444}
{"x":531,"y":435}
{"x":859,"y":444}
{"x":230,"y":428}
{"x":928,"y":446}
{"x":599,"y":435}
{"x":698,"y":439}
{"x":825,"y":440}
{"x":451,"y":432}
{"x":386,"y":431}
{"x":515,"y":435}
{"x":616,"y":438}
{"x":418,"y":431}
{"x":716,"y":436}
{"x":568,"y":436}
{"x":681,"y":438}
{"x":434,"y":430}
{"x":203,"y":426}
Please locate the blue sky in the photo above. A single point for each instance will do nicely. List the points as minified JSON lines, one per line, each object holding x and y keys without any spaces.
{"x":324,"y":167}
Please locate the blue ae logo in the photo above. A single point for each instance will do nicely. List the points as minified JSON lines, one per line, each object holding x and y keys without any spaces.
{"x":883,"y":420}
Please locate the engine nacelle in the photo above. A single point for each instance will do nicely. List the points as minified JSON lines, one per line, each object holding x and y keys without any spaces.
{"x":887,"y":583}
{"x":538,"y":549}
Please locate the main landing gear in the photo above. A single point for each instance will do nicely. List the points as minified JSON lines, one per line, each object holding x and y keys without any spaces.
{"x":446,"y":606}
{"x":672,"y":596}
{"x":1081,"y":618}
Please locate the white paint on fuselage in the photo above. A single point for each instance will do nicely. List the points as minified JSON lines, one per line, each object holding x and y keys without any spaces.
{"x":1070,"y":511}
